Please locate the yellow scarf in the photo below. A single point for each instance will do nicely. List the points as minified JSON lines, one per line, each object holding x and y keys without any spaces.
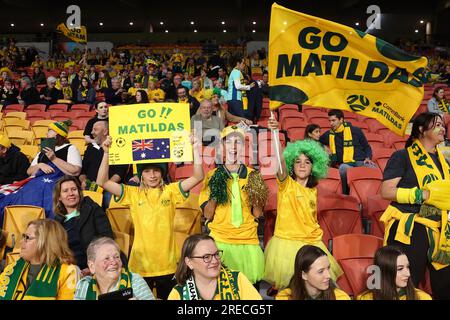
{"x":426,"y":172}
{"x":443,"y":106}
{"x":348,"y":144}
{"x":438,"y":231}
{"x":244,"y":94}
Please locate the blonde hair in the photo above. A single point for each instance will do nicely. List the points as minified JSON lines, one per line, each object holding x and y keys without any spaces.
{"x":51,"y":241}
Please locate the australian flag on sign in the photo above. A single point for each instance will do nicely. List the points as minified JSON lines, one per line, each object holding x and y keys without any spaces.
{"x":151,"y":149}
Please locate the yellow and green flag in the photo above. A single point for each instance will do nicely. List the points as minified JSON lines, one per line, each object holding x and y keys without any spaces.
{"x":321,"y":63}
{"x":78,"y":35}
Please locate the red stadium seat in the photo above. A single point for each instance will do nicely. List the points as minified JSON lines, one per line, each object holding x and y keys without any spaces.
{"x":337,"y":214}
{"x":332,"y":182}
{"x":81,"y":107}
{"x":364,"y":182}
{"x":37,"y":106}
{"x":354,"y":253}
{"x":270,"y":210}
{"x":355,"y":273}
{"x":376,"y":206}
{"x":58,"y":106}
{"x":290,"y":123}
{"x":318,"y":118}
{"x":381,"y":156}
{"x":373,"y":124}
{"x":375,"y":140}
{"x":355,"y":245}
{"x":297,"y":118}
{"x":313,"y":112}
{"x":349,"y":116}
{"x":295,"y":134}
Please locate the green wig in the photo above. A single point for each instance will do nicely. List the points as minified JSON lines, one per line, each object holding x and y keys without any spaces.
{"x":217,"y":91}
{"x":313,"y":150}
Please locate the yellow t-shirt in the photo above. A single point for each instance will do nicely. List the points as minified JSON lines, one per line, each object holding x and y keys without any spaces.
{"x":199,"y":95}
{"x":69,"y":64}
{"x":221,"y":228}
{"x":246,"y":290}
{"x":133,"y":90}
{"x":421,"y":295}
{"x":286,"y":294}
{"x":156,"y":95}
{"x":152,"y":211}
{"x":67,"y":282}
{"x":297,"y":212}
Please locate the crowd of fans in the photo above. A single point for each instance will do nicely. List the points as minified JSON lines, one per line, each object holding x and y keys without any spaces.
{"x":225,"y":92}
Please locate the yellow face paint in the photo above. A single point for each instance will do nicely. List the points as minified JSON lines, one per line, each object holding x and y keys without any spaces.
{"x":437,"y":130}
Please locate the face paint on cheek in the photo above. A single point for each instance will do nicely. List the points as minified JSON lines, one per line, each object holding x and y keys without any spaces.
{"x":437,"y":130}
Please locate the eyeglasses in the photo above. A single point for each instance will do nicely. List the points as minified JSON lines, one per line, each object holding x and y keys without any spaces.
{"x":207,"y":258}
{"x":27,"y":238}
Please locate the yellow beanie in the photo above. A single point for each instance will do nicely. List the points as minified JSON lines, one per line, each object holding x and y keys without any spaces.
{"x":4,"y":141}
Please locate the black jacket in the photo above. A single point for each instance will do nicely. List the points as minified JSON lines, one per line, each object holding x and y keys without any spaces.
{"x":93,"y":223}
{"x":13,"y":167}
{"x":362,"y":149}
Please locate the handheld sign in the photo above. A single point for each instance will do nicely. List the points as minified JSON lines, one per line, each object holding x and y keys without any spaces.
{"x":150,"y":132}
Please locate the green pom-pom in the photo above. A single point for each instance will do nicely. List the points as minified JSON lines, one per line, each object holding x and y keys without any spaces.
{"x":218,"y":186}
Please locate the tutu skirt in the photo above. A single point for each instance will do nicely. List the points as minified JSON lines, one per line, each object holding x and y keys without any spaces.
{"x":246,"y":258}
{"x":280,"y":258}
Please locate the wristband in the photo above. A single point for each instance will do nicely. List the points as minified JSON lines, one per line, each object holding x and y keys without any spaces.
{"x":406,"y":195}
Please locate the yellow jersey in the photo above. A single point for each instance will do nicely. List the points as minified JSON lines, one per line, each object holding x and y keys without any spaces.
{"x":152,"y":211}
{"x":156,"y":95}
{"x":297,"y":212}
{"x":286,"y":294}
{"x":246,"y":290}
{"x":221,"y":228}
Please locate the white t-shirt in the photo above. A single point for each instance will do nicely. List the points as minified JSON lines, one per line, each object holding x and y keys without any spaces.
{"x":73,"y":155}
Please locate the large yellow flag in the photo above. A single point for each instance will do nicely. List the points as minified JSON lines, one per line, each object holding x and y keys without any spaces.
{"x":325,"y":64}
{"x":78,"y":35}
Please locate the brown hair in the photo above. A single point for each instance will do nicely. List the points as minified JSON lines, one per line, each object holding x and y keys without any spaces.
{"x":183,"y":271}
{"x":51,"y":241}
{"x":303,"y":260}
{"x":58,"y":207}
{"x":386,"y":260}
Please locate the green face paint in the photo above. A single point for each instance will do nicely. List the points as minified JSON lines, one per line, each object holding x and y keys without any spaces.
{"x":436,"y":130}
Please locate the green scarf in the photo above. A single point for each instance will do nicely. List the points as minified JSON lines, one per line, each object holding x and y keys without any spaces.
{"x":349,"y":150}
{"x":44,"y":287}
{"x":125,"y":282}
{"x":227,"y":287}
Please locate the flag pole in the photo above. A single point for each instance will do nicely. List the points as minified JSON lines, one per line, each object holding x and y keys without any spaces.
{"x":276,"y":139}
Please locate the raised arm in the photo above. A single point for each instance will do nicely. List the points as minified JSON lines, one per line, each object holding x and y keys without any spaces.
{"x":102,"y":176}
{"x":273,"y":125}
{"x":198,"y":174}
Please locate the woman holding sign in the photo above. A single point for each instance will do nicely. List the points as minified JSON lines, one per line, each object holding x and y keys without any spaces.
{"x":152,"y":207}
{"x":417,"y":181}
{"x":303,"y":163}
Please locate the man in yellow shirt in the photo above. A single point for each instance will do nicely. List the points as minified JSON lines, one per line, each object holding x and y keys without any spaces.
{"x":152,"y":207}
{"x":155,"y":94}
